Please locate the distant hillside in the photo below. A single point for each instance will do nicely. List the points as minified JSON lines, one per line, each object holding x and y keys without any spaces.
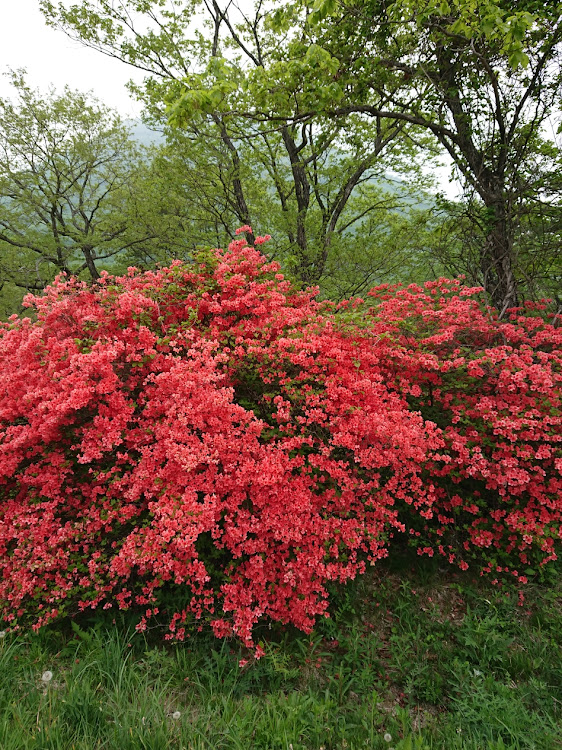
{"x":143,"y":134}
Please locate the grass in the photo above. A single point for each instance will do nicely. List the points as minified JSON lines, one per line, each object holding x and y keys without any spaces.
{"x":416,"y":652}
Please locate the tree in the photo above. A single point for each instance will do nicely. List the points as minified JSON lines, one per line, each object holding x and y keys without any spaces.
{"x":311,"y":184}
{"x":481,"y":76}
{"x":67,"y":167}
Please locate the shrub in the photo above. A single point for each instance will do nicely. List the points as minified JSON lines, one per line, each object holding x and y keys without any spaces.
{"x":208,"y":444}
{"x":494,"y":389}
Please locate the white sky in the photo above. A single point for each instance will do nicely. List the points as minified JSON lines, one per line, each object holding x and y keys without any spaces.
{"x":51,"y":58}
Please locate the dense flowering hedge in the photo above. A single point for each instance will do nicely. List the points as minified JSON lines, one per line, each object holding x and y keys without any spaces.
{"x":494,"y":390}
{"x":206,"y":443}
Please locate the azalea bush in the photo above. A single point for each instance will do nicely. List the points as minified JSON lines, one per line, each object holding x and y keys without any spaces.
{"x":493,"y":387}
{"x":207,"y":444}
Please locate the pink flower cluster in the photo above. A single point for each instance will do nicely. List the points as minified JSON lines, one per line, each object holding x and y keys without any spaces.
{"x":494,"y":390}
{"x":209,"y":445}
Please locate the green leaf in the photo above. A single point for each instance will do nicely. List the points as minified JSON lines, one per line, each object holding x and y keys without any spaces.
{"x":322,"y":9}
{"x":518,"y":58}
{"x":461,"y":28}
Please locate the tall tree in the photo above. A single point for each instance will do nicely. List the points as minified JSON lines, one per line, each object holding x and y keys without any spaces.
{"x":314,"y":178}
{"x":462,"y":227}
{"x":66,"y":169}
{"x":483,"y":77}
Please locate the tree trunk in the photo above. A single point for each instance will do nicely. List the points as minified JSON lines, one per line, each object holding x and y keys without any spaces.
{"x":90,"y":263}
{"x":497,"y":257}
{"x":241,"y":205}
{"x":307,"y":272}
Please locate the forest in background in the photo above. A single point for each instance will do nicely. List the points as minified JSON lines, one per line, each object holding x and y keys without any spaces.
{"x":319,"y":124}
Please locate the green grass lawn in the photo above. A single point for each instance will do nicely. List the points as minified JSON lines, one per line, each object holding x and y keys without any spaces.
{"x":413,"y":657}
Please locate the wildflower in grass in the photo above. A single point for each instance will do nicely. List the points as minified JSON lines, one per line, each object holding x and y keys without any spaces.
{"x":176,"y":715}
{"x":46,"y":677}
{"x":2,"y":634}
{"x":387,"y":737}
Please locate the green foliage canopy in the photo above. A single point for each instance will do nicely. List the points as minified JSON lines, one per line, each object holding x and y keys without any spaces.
{"x":311,"y":182}
{"x":67,"y":171}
